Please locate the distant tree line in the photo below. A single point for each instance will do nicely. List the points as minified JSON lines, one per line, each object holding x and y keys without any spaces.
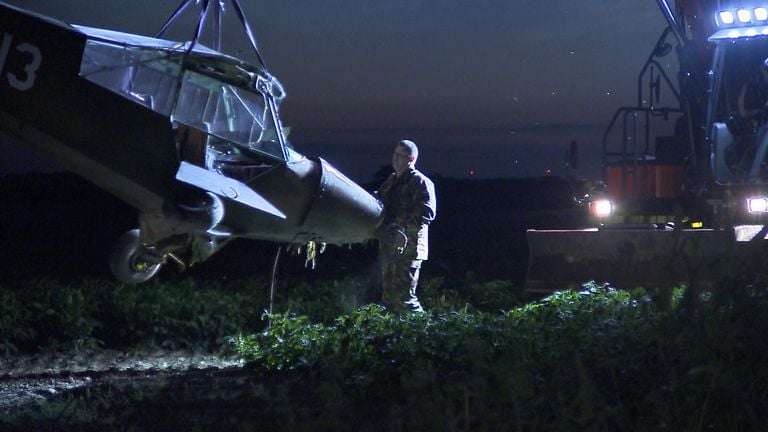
{"x":63,"y":226}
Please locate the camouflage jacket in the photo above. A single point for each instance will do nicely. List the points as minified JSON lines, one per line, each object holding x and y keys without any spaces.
{"x":410,"y":202}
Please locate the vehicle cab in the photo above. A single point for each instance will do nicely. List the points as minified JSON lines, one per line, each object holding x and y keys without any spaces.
{"x":737,"y":116}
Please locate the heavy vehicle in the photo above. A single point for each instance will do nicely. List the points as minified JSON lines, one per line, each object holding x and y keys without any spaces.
{"x":189,"y":136}
{"x":685,"y":169}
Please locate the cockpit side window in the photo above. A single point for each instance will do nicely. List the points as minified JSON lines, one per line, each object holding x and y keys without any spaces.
{"x":219,"y":126}
{"x":143,"y":75}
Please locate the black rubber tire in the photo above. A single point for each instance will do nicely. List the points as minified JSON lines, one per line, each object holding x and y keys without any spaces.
{"x":123,"y":260}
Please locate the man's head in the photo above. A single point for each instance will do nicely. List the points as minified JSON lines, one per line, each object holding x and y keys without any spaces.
{"x":405,"y":156}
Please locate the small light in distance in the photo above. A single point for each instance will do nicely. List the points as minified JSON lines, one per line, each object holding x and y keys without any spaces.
{"x":548,"y":171}
{"x":757,"y":205}
{"x":697,"y":224}
{"x":472,"y":172}
{"x":601,"y":208}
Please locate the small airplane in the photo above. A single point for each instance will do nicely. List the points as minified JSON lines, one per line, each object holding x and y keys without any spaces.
{"x":187,"y":135}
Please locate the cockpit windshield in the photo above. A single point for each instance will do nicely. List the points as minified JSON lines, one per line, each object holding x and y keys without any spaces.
{"x":226,"y":112}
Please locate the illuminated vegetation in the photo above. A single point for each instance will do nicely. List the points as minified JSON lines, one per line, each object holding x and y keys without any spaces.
{"x":601,"y":359}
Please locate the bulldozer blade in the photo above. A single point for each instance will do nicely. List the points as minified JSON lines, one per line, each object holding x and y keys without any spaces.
{"x":623,"y":258}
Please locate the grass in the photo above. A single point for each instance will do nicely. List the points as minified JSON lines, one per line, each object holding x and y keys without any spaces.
{"x":47,"y":314}
{"x":600,"y":359}
{"x":482,"y":358}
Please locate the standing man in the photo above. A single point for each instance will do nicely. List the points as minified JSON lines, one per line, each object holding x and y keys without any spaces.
{"x":409,"y":207}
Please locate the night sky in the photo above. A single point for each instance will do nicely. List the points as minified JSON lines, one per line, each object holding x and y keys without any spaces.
{"x":498,"y":86}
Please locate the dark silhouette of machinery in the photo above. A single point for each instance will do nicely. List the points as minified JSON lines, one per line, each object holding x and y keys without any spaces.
{"x":685,"y":169}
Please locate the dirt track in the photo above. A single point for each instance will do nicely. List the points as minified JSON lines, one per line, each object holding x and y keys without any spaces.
{"x":31,"y":379}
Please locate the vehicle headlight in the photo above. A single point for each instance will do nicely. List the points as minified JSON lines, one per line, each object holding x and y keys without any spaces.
{"x":601,"y":208}
{"x":757,"y":205}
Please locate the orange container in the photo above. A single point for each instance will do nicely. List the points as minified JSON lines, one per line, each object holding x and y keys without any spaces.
{"x":640,"y":181}
{"x":644,"y":181}
{"x":669,"y":179}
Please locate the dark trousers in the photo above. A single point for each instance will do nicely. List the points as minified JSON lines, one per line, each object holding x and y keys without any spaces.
{"x":399,"y":278}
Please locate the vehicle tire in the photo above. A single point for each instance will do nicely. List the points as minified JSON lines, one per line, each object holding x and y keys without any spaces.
{"x":125,"y":261}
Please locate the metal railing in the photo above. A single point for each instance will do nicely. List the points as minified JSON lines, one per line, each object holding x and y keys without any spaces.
{"x":637,"y":131}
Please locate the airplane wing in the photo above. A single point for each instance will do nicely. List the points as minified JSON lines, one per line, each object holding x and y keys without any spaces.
{"x":105,"y":105}
{"x":122,"y":146}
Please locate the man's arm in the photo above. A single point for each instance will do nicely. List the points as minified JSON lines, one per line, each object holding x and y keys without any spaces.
{"x":424,"y":201}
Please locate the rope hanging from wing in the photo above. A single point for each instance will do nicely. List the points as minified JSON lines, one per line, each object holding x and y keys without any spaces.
{"x":218,"y":12}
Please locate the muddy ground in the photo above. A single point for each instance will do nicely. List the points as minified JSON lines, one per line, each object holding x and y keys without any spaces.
{"x":174,"y":391}
{"x":105,"y":389}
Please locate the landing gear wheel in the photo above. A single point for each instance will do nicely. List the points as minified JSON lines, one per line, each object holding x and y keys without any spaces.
{"x":126,"y":262}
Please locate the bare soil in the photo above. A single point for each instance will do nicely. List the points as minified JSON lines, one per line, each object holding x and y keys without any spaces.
{"x":34,"y":379}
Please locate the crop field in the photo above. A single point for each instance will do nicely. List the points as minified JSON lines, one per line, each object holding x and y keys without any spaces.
{"x":207,"y":357}
{"x":200,"y":350}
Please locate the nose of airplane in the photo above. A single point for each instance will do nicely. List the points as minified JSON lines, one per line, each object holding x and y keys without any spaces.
{"x":342,"y":210}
